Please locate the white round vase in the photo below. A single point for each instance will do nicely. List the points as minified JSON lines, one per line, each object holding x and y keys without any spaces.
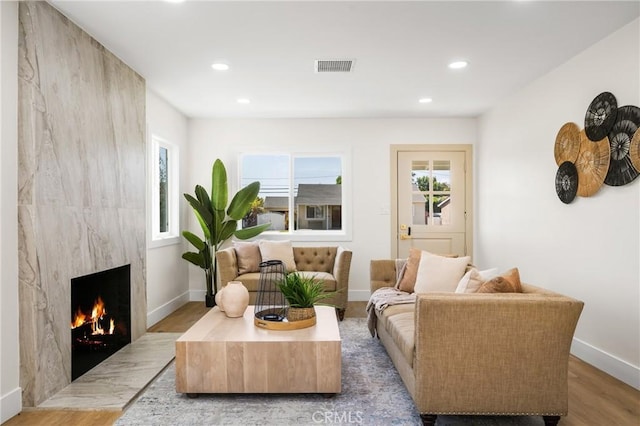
{"x":219,"y":299}
{"x":235,"y":299}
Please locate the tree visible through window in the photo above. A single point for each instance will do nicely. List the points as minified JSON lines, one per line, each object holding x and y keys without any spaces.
{"x":163,"y":188}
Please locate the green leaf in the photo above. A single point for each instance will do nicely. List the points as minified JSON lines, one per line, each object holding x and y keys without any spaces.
{"x":194,"y":239}
{"x":195,"y":258}
{"x":241,"y":202}
{"x":203,"y":197}
{"x":228,"y":229}
{"x":246,"y":233}
{"x":219,"y":187}
{"x":198,"y":207}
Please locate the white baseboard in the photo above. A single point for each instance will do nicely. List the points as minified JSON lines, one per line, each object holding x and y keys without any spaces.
{"x":359,"y":295}
{"x":10,"y":404}
{"x":614,"y":366}
{"x":197,"y":295}
{"x":161,"y":312}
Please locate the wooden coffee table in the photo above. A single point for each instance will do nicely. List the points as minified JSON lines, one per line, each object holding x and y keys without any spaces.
{"x":231,"y":355}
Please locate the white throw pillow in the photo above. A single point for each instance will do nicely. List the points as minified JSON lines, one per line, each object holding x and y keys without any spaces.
{"x":439,"y":273}
{"x":278,"y":250}
{"x":473,"y":279}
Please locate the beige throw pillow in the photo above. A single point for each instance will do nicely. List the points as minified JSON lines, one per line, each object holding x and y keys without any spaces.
{"x":439,"y":273}
{"x":247,"y":256}
{"x":278,"y":250}
{"x":473,"y":279}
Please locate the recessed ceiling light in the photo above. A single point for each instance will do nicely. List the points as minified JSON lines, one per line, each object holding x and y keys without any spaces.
{"x":458,"y":65}
{"x":425,"y":100}
{"x":243,"y":101}
{"x":220,"y":66}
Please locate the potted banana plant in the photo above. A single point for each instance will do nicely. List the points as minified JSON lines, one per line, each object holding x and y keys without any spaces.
{"x":219,"y":222}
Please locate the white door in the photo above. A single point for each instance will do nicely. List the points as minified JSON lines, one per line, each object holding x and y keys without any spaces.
{"x":431,"y":202}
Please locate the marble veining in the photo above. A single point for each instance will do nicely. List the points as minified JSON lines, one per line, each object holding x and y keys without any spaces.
{"x":81,"y":186}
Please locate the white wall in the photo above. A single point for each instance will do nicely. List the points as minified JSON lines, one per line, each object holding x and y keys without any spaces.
{"x":167,"y":285}
{"x":369,"y":141}
{"x":10,"y":392}
{"x":589,"y":249}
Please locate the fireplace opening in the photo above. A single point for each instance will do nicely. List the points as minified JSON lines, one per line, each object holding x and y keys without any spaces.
{"x":100,"y":317}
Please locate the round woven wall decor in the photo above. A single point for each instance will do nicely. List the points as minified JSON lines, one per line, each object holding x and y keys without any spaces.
{"x":566,"y":182}
{"x":634,"y":150}
{"x":592,"y":164}
{"x":567,"y":143}
{"x":600,"y":116}
{"x":621,"y":170}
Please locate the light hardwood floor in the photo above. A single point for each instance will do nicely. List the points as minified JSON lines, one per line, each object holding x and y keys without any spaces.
{"x":595,"y":398}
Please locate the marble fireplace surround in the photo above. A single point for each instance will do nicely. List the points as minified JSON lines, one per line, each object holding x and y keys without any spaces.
{"x":81,"y":194}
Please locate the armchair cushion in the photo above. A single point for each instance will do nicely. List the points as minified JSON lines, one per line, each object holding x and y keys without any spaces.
{"x":248,"y":256}
{"x":278,"y":250}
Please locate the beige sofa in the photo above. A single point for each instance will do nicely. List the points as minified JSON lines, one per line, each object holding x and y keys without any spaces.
{"x":480,"y":354}
{"x":329,"y":264}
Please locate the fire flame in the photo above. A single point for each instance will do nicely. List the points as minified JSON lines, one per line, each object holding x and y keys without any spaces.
{"x":97,"y":313}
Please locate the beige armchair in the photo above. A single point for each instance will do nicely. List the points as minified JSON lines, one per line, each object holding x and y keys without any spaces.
{"x":330,"y":264}
{"x":481,"y":354}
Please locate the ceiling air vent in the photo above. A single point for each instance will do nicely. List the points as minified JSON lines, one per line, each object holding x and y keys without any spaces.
{"x":334,"y":65}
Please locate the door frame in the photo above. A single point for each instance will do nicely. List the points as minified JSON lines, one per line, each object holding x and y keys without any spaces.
{"x":468,"y":161}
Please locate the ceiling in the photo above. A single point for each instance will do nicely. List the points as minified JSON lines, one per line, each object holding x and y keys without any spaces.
{"x":401,"y":51}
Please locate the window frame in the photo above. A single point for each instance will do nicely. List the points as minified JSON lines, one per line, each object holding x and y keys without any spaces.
{"x":172,"y":235}
{"x":344,"y":234}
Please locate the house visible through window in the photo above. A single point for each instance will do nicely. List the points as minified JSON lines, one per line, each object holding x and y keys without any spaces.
{"x":298,"y":192}
{"x":164,"y":189}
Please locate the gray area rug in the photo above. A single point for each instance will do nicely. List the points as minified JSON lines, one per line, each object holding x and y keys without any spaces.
{"x":372,"y":394}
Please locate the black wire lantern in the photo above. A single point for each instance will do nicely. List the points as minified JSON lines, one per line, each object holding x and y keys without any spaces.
{"x":271,"y":306}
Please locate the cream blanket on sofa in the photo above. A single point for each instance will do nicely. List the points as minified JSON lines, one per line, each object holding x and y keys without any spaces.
{"x":380,"y":299}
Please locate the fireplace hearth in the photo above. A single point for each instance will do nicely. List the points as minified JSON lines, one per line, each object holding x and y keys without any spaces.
{"x":100,"y":317}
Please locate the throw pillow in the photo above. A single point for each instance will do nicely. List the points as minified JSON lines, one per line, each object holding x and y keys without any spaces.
{"x":509,"y":282}
{"x":247,"y":256}
{"x":278,"y":250}
{"x":439,"y":273}
{"x":473,"y":279}
{"x":408,"y":280}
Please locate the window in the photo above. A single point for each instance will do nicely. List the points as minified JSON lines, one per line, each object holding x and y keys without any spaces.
{"x":315,"y":212}
{"x":164,"y":190}
{"x":300,"y":193}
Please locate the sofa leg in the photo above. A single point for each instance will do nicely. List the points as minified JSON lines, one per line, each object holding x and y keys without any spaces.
{"x":551,"y":420}
{"x":429,"y":419}
{"x":340,"y":313}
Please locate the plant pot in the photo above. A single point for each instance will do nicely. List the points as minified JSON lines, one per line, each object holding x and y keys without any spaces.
{"x":210,"y":300}
{"x":235,"y":299}
{"x":299,"y":314}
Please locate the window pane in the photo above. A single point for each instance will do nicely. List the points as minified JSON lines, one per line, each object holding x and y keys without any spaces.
{"x":272,"y":205}
{"x":318,"y":189}
{"x":163,"y":187}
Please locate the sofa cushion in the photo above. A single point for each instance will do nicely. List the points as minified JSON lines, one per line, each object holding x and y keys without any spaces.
{"x":399,"y":321}
{"x":408,"y":280}
{"x":473,"y":279}
{"x":439,"y":273}
{"x":320,"y":259}
{"x":328,"y":280}
{"x":250,"y":280}
{"x":247,"y":256}
{"x":278,"y":250}
{"x":509,"y":282}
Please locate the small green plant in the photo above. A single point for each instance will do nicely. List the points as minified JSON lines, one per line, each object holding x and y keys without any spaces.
{"x":303,"y":291}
